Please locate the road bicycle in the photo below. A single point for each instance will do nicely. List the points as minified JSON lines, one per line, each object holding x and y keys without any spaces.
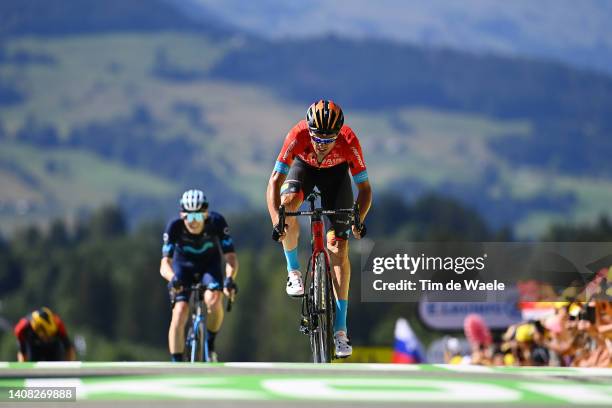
{"x":319,"y":301}
{"x":196,"y":339}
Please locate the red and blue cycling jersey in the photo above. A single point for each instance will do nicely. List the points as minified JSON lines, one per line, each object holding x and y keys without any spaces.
{"x":27,"y":337}
{"x":346,"y":150}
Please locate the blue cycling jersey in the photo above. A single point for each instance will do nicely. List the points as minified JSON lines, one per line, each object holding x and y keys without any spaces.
{"x":195,"y":251}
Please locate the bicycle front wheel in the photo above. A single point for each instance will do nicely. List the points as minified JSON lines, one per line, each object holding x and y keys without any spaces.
{"x":196,"y":343}
{"x":324,"y":312}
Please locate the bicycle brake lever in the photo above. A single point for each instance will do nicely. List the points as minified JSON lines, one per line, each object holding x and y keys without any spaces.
{"x":359,"y":226}
{"x":279,"y":228}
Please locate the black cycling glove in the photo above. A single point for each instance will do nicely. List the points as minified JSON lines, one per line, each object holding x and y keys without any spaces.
{"x":363,"y":230}
{"x":175,"y":283}
{"x":229,"y":284}
{"x":276,"y":233}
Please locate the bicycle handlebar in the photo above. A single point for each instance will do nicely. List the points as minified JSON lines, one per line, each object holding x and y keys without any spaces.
{"x":319,"y":211}
{"x":279,"y":229}
{"x":199,"y":287}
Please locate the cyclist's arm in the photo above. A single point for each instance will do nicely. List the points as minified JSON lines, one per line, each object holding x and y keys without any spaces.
{"x":20,"y":332}
{"x":295,"y":141}
{"x":169,"y":241}
{"x":359,"y":173}
{"x":273,"y":194}
{"x":364,"y":198}
{"x":165,"y":268}
{"x":231,"y":265}
{"x":227,"y":247}
{"x":70,"y":352}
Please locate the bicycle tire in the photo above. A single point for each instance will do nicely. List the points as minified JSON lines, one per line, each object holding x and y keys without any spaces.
{"x":312,"y":317}
{"x":324,"y":309}
{"x":188,"y":336}
{"x":331,"y":318}
{"x":197,"y":354}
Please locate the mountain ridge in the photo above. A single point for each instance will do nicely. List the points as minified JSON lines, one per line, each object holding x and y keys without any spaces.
{"x":523,"y":141}
{"x":576,"y":33}
{"x":69,"y":17}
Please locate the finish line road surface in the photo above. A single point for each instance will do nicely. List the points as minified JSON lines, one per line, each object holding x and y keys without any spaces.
{"x":119,"y":385}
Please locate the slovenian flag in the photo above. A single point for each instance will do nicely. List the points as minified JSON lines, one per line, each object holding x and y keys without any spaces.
{"x":407,"y":348}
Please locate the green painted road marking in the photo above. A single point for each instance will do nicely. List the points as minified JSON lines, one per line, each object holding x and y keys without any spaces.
{"x":335,"y":382}
{"x":377,"y":387}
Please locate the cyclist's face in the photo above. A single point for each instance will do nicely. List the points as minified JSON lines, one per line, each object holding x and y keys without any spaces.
{"x":194,"y":220}
{"x":323,"y":144}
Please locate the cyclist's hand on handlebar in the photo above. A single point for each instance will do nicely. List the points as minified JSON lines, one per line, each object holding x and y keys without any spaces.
{"x":230,"y":288}
{"x":278,"y":234}
{"x":175,"y":283}
{"x":361,"y":232}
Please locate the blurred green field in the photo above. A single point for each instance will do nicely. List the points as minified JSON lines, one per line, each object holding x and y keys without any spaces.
{"x":66,"y":181}
{"x":238,"y":130}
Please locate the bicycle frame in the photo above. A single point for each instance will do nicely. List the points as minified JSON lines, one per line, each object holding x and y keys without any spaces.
{"x":317,"y":229}
{"x":319,"y":312}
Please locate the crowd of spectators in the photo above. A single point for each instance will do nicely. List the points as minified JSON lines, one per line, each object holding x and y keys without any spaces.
{"x":575,"y":329}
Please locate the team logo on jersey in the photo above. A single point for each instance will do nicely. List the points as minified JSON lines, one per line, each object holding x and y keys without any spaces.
{"x":204,"y":248}
{"x":358,"y":156}
{"x":289,"y":149}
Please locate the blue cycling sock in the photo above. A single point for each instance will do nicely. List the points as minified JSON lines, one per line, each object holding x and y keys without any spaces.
{"x":341,"y":309}
{"x":176,"y":357}
{"x":292,"y":260}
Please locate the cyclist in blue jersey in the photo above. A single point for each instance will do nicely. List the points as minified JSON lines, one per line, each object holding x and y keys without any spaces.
{"x":193,"y":251}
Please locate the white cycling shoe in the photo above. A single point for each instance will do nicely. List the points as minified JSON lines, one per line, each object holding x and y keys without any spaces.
{"x":342,"y":344}
{"x":295,"y":285}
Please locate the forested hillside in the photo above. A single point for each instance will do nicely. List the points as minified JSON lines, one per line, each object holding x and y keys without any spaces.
{"x":104,"y":281}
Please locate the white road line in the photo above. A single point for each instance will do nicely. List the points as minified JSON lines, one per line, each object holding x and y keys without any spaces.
{"x":387,"y":390}
{"x":58,"y":364}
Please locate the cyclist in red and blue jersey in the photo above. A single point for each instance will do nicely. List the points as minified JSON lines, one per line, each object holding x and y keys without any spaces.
{"x":42,"y":336}
{"x":193,"y":247}
{"x":321,"y":151}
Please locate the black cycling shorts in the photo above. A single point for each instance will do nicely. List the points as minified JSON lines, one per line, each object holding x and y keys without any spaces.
{"x":52,"y":350}
{"x":211,"y":279}
{"x":334,"y":183}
